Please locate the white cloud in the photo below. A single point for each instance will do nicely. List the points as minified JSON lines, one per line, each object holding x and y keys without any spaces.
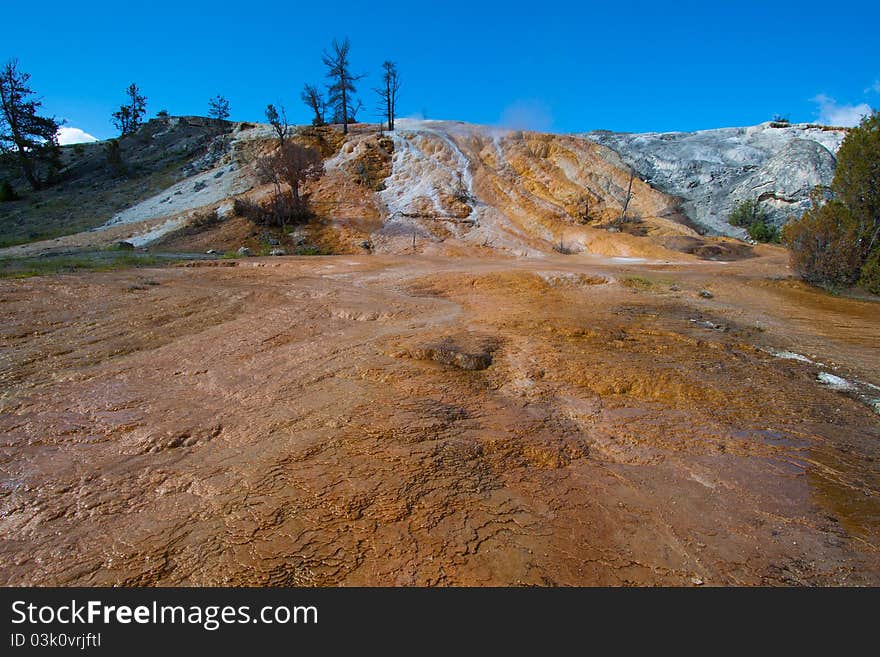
{"x":70,"y":135}
{"x":874,"y":87}
{"x":527,"y":115}
{"x":833,"y":113}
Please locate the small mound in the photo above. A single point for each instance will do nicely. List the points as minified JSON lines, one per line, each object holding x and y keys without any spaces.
{"x":466,"y":351}
{"x":717,"y":249}
{"x":571,"y":279}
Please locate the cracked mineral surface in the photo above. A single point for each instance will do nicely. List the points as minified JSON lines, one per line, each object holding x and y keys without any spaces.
{"x":425,"y":420}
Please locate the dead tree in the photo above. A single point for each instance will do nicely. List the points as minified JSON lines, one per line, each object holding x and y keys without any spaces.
{"x":389,"y":92}
{"x":314,"y":100}
{"x":628,"y":196}
{"x":291,"y":165}
{"x":584,"y":210}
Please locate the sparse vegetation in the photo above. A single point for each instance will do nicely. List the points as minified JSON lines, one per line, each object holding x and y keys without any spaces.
{"x":637,"y":282}
{"x":291,"y":165}
{"x":837,"y":243}
{"x":142,"y":284}
{"x":562,"y":248}
{"x":584,"y":209}
{"x":364,"y":174}
{"x":751,"y":215}
{"x":780,"y":121}
{"x":91,"y":192}
{"x":107,"y":260}
{"x":388,"y":92}
{"x":310,"y":250}
{"x":248,"y":209}
{"x":31,"y":139}
{"x":315,"y":101}
{"x":460,"y":193}
{"x":128,"y":117}
{"x":114,"y":156}
{"x":761,"y":231}
{"x":341,"y":90}
{"x":745,"y":213}
{"x":278,"y":120}
{"x":218,"y":108}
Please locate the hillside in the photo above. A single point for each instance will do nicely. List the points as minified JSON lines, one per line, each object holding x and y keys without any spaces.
{"x":92,"y":188}
{"x":431,"y":187}
{"x":712,"y":170}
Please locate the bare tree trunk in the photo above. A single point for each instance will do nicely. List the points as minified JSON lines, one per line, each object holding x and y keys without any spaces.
{"x":276,"y":201}
{"x":344,"y":106}
{"x":628,"y":196}
{"x":388,"y":103}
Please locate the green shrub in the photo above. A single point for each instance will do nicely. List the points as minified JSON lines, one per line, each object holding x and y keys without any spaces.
{"x":751,"y":215}
{"x":838,"y":242}
{"x":746,"y":213}
{"x":780,"y":121}
{"x":763,"y":232}
{"x":113,"y":153}
{"x":308,"y":250}
{"x":824,"y":245}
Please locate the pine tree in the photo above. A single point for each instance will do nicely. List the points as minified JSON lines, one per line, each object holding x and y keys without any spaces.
{"x":278,"y":121}
{"x":837,"y":242}
{"x":218,"y":108}
{"x":341,"y":91}
{"x":33,"y":139}
{"x":129,"y":117}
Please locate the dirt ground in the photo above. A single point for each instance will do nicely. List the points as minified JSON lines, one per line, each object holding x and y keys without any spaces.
{"x":417,"y":420}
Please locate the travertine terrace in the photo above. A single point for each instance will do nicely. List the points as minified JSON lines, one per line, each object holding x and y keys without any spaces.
{"x":482,"y":387}
{"x":401,"y":420}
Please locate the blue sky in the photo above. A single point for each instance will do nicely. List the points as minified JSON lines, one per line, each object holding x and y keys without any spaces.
{"x":565,"y":67}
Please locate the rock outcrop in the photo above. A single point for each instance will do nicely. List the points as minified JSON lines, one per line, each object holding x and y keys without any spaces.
{"x":713,"y":170}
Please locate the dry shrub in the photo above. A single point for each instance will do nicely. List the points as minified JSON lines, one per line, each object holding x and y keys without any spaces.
{"x":824,"y":245}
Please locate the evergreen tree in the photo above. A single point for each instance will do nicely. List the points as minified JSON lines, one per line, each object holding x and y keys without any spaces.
{"x":30,"y":138}
{"x":341,"y":90}
{"x":129,"y":117}
{"x":278,"y":121}
{"x":218,"y":108}
{"x":838,"y":242}
{"x":746,"y":213}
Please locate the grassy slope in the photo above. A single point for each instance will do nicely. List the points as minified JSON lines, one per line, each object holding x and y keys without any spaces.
{"x":90,"y":191}
{"x":81,"y":262}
